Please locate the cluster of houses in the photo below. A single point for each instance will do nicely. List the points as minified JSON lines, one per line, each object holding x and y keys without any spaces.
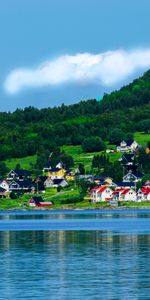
{"x":107,"y":190}
{"x":110,"y":192}
{"x":16,"y":181}
{"x":20,"y":181}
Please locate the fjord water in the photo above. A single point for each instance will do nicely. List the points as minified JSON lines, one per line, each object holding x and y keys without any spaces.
{"x":95,"y":254}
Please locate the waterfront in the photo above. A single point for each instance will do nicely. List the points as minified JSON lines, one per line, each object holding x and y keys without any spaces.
{"x":105,"y":262}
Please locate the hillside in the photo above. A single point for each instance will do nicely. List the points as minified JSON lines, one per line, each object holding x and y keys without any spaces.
{"x":27,"y":132}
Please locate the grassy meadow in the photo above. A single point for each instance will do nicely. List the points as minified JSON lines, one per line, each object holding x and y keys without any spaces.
{"x":77,"y":154}
{"x":25,"y":162}
{"x":142,"y":138}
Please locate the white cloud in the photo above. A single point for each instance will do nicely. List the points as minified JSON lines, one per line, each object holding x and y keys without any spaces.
{"x":105,"y":69}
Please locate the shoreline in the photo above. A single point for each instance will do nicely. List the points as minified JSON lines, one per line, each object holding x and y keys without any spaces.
{"x":94,"y":210}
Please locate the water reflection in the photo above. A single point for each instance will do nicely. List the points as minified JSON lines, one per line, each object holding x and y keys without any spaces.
{"x":53,"y":265}
{"x":73,"y":264}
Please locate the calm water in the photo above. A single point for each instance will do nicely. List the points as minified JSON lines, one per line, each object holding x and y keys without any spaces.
{"x":70,"y":255}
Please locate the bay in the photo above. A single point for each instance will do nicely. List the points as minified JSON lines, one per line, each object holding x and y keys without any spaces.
{"x":75,"y":254}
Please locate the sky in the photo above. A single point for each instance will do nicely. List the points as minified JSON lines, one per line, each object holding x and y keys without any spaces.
{"x":64,"y":51}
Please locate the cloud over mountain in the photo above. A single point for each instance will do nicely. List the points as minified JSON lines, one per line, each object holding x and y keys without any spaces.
{"x":107,"y":69}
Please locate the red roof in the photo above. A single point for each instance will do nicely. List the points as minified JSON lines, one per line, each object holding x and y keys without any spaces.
{"x":145,"y":191}
{"x":102,"y":189}
{"x":117,"y":190}
{"x":95,"y":189}
{"x":125,"y":191}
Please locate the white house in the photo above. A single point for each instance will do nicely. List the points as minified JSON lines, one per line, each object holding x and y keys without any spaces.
{"x":122,"y":147}
{"x":143,"y":194}
{"x":128,"y":195}
{"x":132,"y":176}
{"x":134,"y":146}
{"x":4,"y":184}
{"x":49,"y":182}
{"x":99,"y":194}
{"x":128,"y":146}
{"x":124,"y":194}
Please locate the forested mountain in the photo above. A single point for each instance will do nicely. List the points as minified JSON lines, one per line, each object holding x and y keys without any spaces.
{"x":117,"y":116}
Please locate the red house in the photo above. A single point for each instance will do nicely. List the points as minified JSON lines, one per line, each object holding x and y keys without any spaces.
{"x":38,"y":201}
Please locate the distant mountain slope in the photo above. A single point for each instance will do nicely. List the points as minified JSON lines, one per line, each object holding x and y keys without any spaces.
{"x":28,"y":131}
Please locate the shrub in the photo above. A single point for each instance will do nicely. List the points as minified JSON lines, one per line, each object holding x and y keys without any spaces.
{"x":93,"y":144}
{"x":13,"y":195}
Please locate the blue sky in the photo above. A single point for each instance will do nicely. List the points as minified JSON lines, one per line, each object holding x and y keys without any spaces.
{"x":37,"y":33}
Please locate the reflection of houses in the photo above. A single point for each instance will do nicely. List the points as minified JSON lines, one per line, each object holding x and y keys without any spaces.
{"x":23,"y":185}
{"x":99,"y":194}
{"x":128,"y":146}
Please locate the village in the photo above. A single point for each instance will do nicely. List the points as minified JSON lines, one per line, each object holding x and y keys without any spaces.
{"x":100,"y":189}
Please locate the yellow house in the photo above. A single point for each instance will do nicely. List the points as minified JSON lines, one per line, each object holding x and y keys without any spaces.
{"x":57,"y":173}
{"x":70,"y":177}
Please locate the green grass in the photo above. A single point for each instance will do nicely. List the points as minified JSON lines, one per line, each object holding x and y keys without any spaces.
{"x":86,"y":158}
{"x":51,"y":194}
{"x":142,"y":138}
{"x":25,"y":162}
{"x":57,"y":197}
{"x":132,"y":204}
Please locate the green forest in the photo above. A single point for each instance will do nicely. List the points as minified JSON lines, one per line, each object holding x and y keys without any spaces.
{"x":92,"y":124}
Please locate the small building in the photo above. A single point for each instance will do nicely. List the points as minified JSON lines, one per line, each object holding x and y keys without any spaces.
{"x":132,"y":176}
{"x":127,"y":159}
{"x":19,"y":174}
{"x":70,"y":175}
{"x":38,"y":201}
{"x":27,"y":186}
{"x":49,"y":182}
{"x":128,"y":146}
{"x":4,"y":184}
{"x":102,"y":180}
